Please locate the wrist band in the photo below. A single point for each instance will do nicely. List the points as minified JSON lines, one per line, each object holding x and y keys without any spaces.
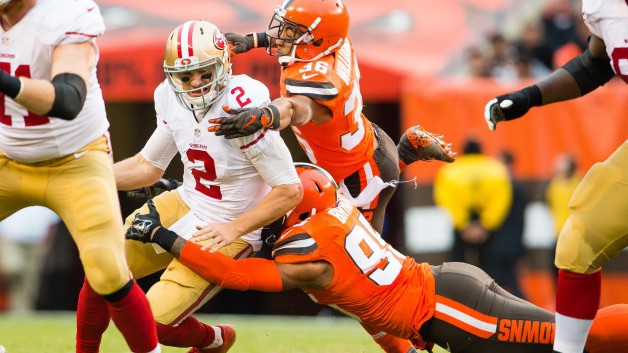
{"x":10,"y":85}
{"x":165,"y":238}
{"x":534,"y":94}
{"x":275,"y":119}
{"x":260,"y":40}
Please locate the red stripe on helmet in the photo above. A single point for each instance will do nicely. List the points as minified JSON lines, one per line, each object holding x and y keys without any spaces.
{"x":190,"y":34}
{"x":179,"y":41}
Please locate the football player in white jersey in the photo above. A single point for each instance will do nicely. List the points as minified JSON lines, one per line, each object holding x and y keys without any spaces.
{"x":54,"y":149}
{"x":597,"y":228}
{"x":230,"y":187}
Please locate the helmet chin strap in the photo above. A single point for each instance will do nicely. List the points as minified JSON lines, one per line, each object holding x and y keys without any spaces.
{"x":287,"y":60}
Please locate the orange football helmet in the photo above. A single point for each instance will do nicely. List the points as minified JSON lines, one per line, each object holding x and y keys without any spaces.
{"x":319,"y":193}
{"x":314,"y":28}
{"x":197,"y":46}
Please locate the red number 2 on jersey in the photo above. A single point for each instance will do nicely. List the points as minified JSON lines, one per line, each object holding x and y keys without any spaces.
{"x":31,"y":119}
{"x":238,"y":92}
{"x":209,"y":174}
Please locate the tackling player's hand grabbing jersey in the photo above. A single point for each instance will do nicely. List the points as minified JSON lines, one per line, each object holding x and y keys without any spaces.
{"x":245,"y":122}
{"x":144,"y":224}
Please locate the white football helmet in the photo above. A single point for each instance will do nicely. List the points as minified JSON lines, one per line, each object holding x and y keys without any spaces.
{"x":196,"y":45}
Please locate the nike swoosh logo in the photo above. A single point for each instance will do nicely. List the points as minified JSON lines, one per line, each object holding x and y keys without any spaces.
{"x":249,"y":122}
{"x":78,"y":155}
{"x":305,"y":77}
{"x":89,"y":9}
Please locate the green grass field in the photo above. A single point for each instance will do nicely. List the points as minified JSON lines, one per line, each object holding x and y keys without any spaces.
{"x":54,"y":333}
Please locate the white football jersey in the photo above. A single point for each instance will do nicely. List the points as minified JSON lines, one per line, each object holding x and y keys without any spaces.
{"x":25,"y":50}
{"x":608,"y":19}
{"x":219,"y":180}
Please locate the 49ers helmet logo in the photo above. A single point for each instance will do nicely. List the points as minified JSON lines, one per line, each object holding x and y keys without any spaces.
{"x":219,"y":40}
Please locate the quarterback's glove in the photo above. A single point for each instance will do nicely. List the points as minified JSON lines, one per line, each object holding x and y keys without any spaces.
{"x":245,"y":122}
{"x":272,"y":232}
{"x":146,"y":193}
{"x":243,"y":43}
{"x":143,"y":225}
{"x":512,"y":105}
{"x":165,"y":184}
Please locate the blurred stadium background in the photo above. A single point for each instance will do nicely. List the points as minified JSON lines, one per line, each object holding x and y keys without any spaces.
{"x":434,"y":63}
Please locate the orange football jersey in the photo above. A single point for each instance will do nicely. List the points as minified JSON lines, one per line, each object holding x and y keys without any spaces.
{"x":372,"y":282}
{"x":345,"y":143}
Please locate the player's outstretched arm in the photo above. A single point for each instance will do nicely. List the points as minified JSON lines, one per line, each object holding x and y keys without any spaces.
{"x":252,"y":273}
{"x":241,"y":43}
{"x":299,"y":110}
{"x":281,"y":113}
{"x":246,"y":274}
{"x":579,"y":76}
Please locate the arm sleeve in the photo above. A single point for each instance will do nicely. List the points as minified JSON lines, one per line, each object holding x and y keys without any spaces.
{"x":275,"y":164}
{"x":245,"y":274}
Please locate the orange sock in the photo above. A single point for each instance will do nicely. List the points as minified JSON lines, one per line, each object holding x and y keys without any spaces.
{"x":609,"y":332}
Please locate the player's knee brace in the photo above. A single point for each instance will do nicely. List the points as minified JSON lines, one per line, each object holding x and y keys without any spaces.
{"x":105,"y":269}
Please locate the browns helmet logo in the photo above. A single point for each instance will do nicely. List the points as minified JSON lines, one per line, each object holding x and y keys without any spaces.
{"x":219,"y":40}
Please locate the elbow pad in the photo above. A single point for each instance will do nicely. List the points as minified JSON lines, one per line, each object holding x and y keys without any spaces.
{"x":589,"y":72}
{"x":70,"y":93}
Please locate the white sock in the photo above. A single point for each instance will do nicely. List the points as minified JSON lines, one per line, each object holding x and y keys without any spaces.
{"x":217,"y":338}
{"x":571,"y":334}
{"x":157,"y":349}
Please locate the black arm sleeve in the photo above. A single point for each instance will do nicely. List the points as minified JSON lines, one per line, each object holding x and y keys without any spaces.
{"x":70,"y":93}
{"x":589,"y":72}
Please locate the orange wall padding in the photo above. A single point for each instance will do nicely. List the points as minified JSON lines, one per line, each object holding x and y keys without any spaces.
{"x":590,"y":127}
{"x":538,"y":287}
